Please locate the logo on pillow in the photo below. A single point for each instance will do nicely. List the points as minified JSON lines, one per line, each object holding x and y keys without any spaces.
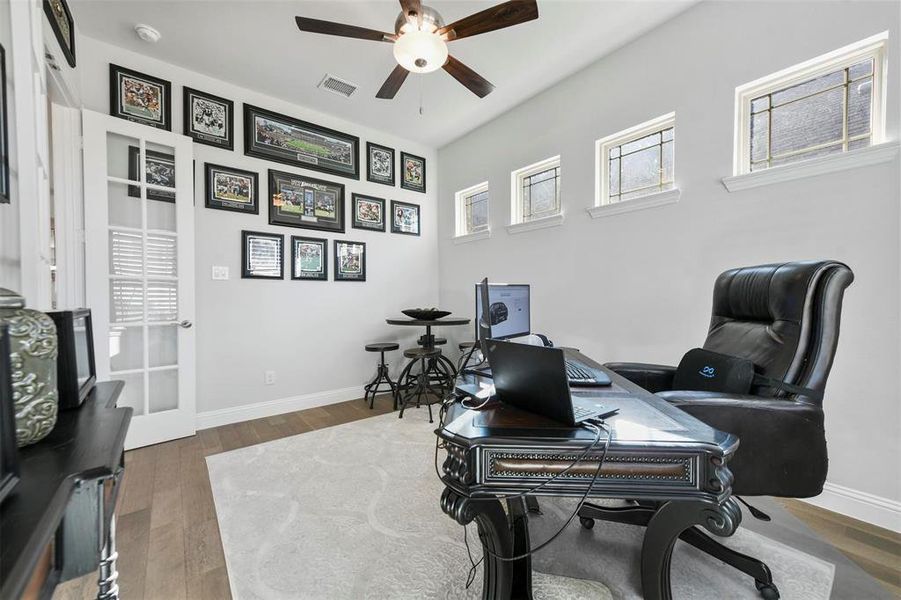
{"x":708,"y":372}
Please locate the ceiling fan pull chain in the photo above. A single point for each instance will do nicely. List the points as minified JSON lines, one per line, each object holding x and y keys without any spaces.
{"x":420,"y":94}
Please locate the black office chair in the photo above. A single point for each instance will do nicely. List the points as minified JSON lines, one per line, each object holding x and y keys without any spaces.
{"x":785,"y":319}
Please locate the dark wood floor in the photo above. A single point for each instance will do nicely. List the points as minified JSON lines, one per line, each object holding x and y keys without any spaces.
{"x":168,"y":536}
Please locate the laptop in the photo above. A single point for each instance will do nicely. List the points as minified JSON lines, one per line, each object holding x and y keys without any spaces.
{"x":533,"y":378}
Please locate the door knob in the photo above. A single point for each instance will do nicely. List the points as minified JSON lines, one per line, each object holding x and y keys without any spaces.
{"x":186,"y":324}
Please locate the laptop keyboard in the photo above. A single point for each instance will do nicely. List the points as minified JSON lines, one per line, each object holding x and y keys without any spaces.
{"x":575,"y":372}
{"x":583,"y":412}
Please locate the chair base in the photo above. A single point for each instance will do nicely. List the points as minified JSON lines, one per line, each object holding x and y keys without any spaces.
{"x":373,"y":387}
{"x":432,"y":371}
{"x":640,"y":514}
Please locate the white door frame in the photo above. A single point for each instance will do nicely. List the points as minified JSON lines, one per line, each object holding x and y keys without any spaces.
{"x":170,"y":424}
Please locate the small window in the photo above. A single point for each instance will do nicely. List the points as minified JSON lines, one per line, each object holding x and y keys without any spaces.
{"x":472,"y":209}
{"x":536,"y":191}
{"x":636,"y":162}
{"x":828,"y":105}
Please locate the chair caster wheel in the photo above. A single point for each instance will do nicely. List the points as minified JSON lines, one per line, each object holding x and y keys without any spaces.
{"x":768,"y":591}
{"x":586,"y":522}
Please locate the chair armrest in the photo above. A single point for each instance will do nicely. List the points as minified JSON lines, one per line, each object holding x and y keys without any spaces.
{"x":653,"y":378}
{"x":782,"y":447}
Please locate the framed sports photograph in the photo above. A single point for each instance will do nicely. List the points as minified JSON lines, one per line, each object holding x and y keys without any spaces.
{"x":404,"y":218}
{"x":368,"y":212}
{"x":350,"y":261}
{"x":140,"y":98}
{"x":412,"y":172}
{"x":285,"y":139}
{"x":4,"y":133}
{"x":301,"y":201}
{"x":63,"y":27}
{"x":209,"y":119}
{"x":228,"y":188}
{"x":262,"y":255}
{"x":379,"y":164}
{"x":309,"y":258}
{"x":159,"y":170}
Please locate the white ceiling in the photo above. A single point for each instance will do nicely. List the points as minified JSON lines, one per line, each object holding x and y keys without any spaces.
{"x":256,"y":44}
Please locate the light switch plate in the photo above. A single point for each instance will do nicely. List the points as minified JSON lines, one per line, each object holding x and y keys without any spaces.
{"x":220,"y":272}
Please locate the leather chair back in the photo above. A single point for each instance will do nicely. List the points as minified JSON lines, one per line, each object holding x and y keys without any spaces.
{"x":783,"y":317}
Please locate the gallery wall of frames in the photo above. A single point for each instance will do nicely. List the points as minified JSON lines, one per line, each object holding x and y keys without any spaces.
{"x":311,"y":215}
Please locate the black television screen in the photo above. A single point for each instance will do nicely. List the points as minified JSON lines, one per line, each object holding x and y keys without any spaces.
{"x":75,"y":372}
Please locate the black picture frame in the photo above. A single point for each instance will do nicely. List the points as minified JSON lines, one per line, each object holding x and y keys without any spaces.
{"x":217,"y":182}
{"x":408,"y":179}
{"x":161,"y":159}
{"x":60,"y":16}
{"x":5,"y":196}
{"x":193,"y":101}
{"x":345,"y":160}
{"x":297,"y":268}
{"x":399,"y":212}
{"x":9,"y":453}
{"x":342,"y":272}
{"x":288,"y":190}
{"x":247,"y":267}
{"x":74,"y":332}
{"x":149,"y":87}
{"x":361,"y":213}
{"x":374,"y":159}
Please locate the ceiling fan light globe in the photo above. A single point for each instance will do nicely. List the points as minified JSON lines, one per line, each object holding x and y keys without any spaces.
{"x":420,"y":51}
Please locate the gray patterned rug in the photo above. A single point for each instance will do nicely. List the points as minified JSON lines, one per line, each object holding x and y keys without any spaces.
{"x":352,"y":512}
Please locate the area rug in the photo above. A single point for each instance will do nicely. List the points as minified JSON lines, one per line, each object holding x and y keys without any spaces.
{"x":353,"y":512}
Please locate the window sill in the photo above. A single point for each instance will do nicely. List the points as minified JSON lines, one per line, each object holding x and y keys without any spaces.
{"x":852,"y":159}
{"x":472,"y":237}
{"x":551,"y":221}
{"x":641,"y":203}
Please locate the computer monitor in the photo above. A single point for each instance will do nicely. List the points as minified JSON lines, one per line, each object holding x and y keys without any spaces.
{"x":508,"y":310}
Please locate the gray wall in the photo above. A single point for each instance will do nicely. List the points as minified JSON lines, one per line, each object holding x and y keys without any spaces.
{"x":637,"y":286}
{"x":310,"y":333}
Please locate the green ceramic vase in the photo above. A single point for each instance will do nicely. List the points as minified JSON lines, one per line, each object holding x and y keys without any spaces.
{"x":33,"y":351}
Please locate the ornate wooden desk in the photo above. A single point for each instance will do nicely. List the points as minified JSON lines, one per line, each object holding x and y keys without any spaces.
{"x":657,"y":453}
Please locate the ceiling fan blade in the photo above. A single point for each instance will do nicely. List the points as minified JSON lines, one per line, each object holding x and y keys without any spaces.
{"x":351,"y":31}
{"x":412,"y":8}
{"x":474,"y":82}
{"x":392,"y":84}
{"x":503,"y":15}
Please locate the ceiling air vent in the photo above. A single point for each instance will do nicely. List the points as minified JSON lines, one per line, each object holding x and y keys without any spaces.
{"x":337,"y":86}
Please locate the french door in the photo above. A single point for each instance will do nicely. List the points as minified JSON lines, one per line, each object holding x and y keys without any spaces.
{"x":139,"y":271}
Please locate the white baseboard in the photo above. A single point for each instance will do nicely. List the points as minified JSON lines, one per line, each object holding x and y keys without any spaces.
{"x":870,"y":508}
{"x":248,"y":412}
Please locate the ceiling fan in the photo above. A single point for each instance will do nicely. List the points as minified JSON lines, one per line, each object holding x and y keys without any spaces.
{"x":420,"y":40}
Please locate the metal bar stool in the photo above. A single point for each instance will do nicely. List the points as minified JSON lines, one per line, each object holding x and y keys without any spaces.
{"x":381,"y":375}
{"x":441,"y":370}
{"x":418,"y":385}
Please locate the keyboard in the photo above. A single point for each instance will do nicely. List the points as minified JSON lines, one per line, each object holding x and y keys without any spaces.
{"x":577,"y":374}
{"x":583,"y":412}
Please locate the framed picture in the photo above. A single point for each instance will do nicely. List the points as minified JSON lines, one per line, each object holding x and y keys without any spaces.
{"x":4,"y":133}
{"x":309,"y":258}
{"x":262,"y":255}
{"x":285,"y":139}
{"x":9,"y":454}
{"x":350,"y":261}
{"x":160,"y":170}
{"x":232,"y":189}
{"x":301,"y":201}
{"x":368,"y":212}
{"x":209,"y":119}
{"x":412,"y":172}
{"x":140,"y":98}
{"x":63,"y":27}
{"x":379,"y":164}
{"x":404,"y":218}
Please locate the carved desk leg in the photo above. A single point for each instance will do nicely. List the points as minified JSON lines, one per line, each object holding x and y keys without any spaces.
{"x":501,"y":536}
{"x":664,"y":529}
{"x":107,"y":581}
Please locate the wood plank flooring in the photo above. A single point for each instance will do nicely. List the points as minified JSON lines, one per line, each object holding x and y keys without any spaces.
{"x":168,"y":536}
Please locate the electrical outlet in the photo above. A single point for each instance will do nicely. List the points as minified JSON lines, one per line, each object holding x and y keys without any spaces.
{"x":220,"y":273}
{"x":269,"y":377}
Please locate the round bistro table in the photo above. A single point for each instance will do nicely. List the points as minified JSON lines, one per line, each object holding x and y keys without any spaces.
{"x":436,"y":368}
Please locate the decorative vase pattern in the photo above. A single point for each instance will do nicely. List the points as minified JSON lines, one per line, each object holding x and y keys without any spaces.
{"x":33,"y":352}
